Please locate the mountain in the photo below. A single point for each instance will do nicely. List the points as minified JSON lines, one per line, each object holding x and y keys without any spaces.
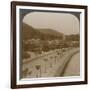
{"x":51,"y":32}
{"x":29,"y":32}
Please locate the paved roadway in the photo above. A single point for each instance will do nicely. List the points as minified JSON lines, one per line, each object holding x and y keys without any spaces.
{"x":46,"y":65}
{"x":73,"y":67}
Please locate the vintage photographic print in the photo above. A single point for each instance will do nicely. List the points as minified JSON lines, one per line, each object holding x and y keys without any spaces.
{"x":50,"y":44}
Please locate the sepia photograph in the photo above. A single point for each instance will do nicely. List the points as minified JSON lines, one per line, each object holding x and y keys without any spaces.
{"x":49,"y":44}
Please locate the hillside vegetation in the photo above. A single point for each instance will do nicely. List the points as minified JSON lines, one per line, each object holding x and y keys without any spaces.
{"x":29,"y":32}
{"x":43,"y":40}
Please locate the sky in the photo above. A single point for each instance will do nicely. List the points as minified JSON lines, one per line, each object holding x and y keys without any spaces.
{"x":61,"y":22}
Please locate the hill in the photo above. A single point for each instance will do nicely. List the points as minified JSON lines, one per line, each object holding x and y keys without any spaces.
{"x":50,"y":32}
{"x":29,"y":32}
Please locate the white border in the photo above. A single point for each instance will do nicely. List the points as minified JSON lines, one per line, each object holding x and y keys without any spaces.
{"x":52,"y":79}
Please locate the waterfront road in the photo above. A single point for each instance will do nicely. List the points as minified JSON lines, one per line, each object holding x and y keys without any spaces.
{"x":73,"y":67}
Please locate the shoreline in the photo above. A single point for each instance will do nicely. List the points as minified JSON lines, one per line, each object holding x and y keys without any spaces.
{"x":60,"y":71}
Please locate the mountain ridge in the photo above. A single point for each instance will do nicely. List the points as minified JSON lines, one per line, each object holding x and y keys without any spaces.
{"x":31,"y":32}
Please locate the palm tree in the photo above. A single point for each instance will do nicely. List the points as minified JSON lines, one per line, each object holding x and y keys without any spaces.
{"x":25,"y":72}
{"x":55,"y":59}
{"x":38,"y":68}
{"x":30,"y":72}
{"x":45,"y":64}
{"x":51,"y":61}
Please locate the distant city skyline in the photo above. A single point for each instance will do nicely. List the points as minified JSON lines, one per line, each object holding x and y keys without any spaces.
{"x":62,"y":22}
